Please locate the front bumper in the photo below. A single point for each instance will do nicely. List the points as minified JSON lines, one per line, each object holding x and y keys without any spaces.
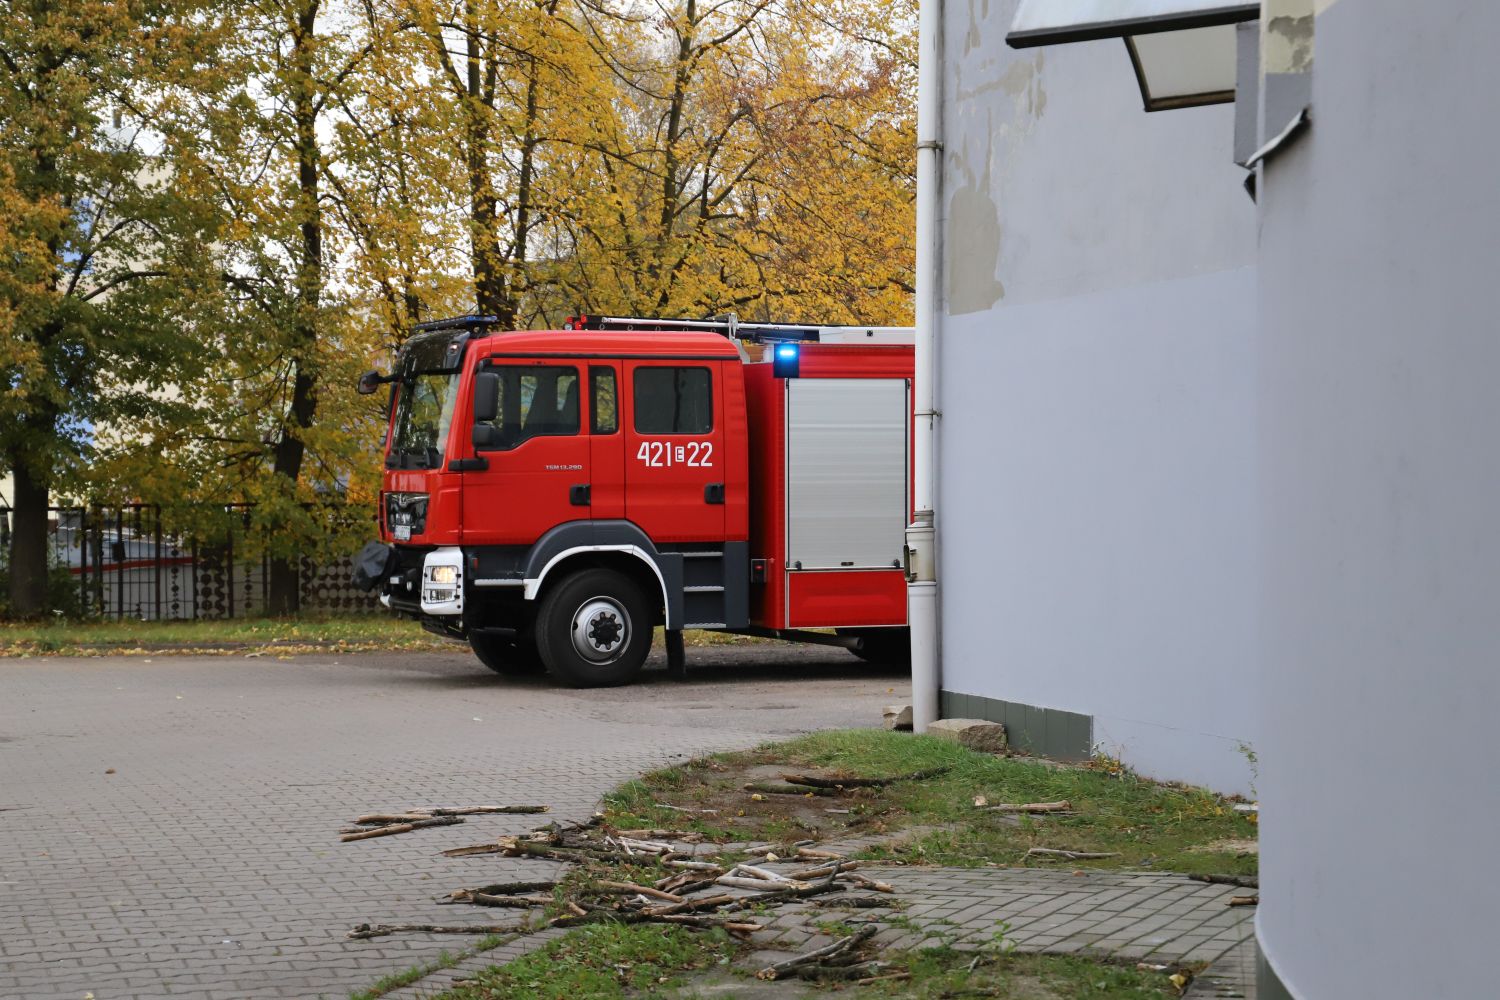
{"x":421,"y":582}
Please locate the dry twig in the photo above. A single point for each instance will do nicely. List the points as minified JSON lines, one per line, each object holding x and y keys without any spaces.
{"x":816,"y":782}
{"x":1243,"y":881}
{"x":818,"y":955}
{"x":395,"y":828}
{"x":1048,"y":852}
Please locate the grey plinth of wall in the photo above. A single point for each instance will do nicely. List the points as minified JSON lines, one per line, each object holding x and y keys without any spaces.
{"x":1268,"y":985}
{"x":1049,"y":732}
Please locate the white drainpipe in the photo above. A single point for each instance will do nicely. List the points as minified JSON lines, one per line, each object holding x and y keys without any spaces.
{"x":922,"y":592}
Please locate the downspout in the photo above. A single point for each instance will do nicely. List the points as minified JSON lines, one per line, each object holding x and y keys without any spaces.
{"x":921,"y":539}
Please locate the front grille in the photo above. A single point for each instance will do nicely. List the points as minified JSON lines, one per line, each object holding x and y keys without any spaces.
{"x":405,"y":515}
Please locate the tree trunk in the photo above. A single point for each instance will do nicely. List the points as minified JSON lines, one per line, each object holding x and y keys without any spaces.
{"x":491,"y":296}
{"x":28,"y":542}
{"x":284,"y":591}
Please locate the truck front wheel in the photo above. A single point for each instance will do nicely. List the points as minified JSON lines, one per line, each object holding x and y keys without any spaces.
{"x":594,"y":629}
{"x":507,"y":657}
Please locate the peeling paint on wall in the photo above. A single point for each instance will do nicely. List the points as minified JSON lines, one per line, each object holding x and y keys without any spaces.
{"x":974,"y":38}
{"x":1286,"y":41}
{"x":973,"y":250}
{"x":1292,"y":38}
{"x":1022,"y":80}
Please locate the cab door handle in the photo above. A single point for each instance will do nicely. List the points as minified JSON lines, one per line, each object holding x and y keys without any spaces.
{"x":713,"y":493}
{"x":581,"y":495}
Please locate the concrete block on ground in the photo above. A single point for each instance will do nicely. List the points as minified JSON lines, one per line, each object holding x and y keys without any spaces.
{"x":976,"y":734}
{"x":898,"y":717}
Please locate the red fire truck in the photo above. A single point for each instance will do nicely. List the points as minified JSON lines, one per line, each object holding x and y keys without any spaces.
{"x":550,"y":497}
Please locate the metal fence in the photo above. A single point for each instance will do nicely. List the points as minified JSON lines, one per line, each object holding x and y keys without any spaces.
{"x":123,"y":562}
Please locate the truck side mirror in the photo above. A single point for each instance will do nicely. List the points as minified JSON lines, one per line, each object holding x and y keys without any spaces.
{"x":486,"y":397}
{"x":486,"y":436}
{"x":370,"y":381}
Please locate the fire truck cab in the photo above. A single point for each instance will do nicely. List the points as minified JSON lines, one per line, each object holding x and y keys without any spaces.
{"x":551,"y":497}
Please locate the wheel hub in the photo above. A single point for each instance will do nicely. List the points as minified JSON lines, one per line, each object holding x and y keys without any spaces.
{"x":601,"y":630}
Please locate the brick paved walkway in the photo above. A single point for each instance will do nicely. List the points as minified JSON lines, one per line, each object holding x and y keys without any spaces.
{"x":207,"y":864}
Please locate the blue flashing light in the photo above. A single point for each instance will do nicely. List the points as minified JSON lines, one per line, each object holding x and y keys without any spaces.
{"x":786,"y":362}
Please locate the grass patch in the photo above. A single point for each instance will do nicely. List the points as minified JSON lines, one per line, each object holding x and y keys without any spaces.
{"x":603,"y":960}
{"x":405,"y":977}
{"x":347,"y":633}
{"x":445,"y":960}
{"x":607,"y":961}
{"x":944,"y":973}
{"x":374,"y":632}
{"x":1164,"y":827}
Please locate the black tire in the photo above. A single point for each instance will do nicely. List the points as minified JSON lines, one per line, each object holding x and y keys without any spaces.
{"x":619,"y":624}
{"x":506,"y":657}
{"x":888,"y":647}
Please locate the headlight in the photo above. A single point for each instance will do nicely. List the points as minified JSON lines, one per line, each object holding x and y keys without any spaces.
{"x":445,"y":574}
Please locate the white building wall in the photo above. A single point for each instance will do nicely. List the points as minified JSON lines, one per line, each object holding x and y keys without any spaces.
{"x":1380,"y":395}
{"x":1097,"y":498}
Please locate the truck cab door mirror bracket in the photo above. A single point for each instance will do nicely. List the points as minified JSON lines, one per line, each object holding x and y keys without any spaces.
{"x":486,"y":397}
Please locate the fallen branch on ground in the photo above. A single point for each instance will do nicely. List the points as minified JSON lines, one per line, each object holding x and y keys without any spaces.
{"x":486,"y":810}
{"x":894,"y":977}
{"x":816,"y":782}
{"x":842,"y":973}
{"x":644,"y":890}
{"x":501,"y":889}
{"x":761,"y":873}
{"x":821,"y":870}
{"x":853,"y":902}
{"x":1244,"y":901}
{"x":427,"y":813}
{"x":817,"y":855}
{"x":514,"y":847}
{"x":365,"y":931}
{"x":688,"y":905}
{"x":1243,"y":881}
{"x":771,"y":788}
{"x":769,"y":849}
{"x":757,"y":883}
{"x":383,"y":819}
{"x":870,"y":883}
{"x":395,"y":828}
{"x":1030,"y":807}
{"x":686,"y":836}
{"x":817,"y":955}
{"x":514,"y":902}
{"x":1048,"y":852}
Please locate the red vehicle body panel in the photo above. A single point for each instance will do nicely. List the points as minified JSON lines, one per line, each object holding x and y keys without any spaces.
{"x":829,"y":599}
{"x":778,"y":604}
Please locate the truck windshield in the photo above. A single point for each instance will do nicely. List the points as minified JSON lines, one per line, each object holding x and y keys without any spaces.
{"x":424,"y":412}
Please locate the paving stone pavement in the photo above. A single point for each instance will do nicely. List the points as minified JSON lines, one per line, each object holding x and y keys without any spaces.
{"x":208,"y":864}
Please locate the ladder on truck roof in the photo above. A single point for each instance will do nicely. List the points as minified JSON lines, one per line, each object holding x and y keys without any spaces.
{"x":756,"y":333}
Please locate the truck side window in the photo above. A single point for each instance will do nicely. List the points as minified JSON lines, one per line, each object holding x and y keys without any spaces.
{"x":535,"y":401}
{"x":605,"y":414}
{"x":673,"y":401}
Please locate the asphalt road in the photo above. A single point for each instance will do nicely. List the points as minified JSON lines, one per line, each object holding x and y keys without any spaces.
{"x":168,"y":825}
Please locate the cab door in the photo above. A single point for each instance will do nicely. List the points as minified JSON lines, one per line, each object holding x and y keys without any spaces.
{"x":606,"y":441}
{"x":674,"y":449}
{"x":531,"y":464}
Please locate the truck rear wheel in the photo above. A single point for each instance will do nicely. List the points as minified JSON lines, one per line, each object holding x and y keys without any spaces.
{"x":508,"y":657}
{"x":594,"y":629}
